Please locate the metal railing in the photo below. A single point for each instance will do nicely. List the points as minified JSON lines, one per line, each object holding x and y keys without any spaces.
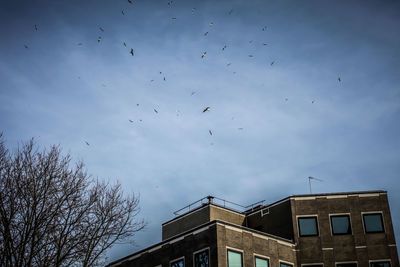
{"x":220,"y":202}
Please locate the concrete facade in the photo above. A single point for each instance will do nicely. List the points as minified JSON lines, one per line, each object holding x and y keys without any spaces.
{"x":273,"y":232}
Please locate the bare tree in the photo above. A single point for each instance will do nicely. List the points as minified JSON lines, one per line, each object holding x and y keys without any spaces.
{"x":52,"y":214}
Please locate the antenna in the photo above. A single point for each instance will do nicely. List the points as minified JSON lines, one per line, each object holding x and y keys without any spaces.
{"x":313,"y":178}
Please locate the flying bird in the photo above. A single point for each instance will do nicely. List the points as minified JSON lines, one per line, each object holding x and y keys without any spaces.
{"x":211,"y":24}
{"x":228,"y":64}
{"x":137,"y":105}
{"x":240,"y":128}
{"x":151,"y":80}
{"x":286,"y":99}
{"x":230,"y":11}
{"x":155,"y":110}
{"x":210,"y":132}
{"x":130,"y":121}
{"x":130,"y":1}
{"x":99,"y":39}
{"x":205,"y":34}
{"x":132,"y":52}
{"x":265,"y":44}
{"x":272,"y":63}
{"x":101,"y":29}
{"x":87,"y":143}
{"x":36,"y":27}
{"x":264,"y":28}
{"x":223,"y":48}
{"x":26,"y":46}
{"x":250,"y":41}
{"x":174,"y":18}
{"x":251,"y":56}
{"x":204,"y":54}
{"x":80,"y":44}
{"x":124,"y":44}
{"x":206,"y":109}
{"x":193,"y":10}
{"x":123,"y":12}
{"x":164,"y":79}
{"x":170,"y":3}
{"x":192,"y":93}
{"x":339,"y":79}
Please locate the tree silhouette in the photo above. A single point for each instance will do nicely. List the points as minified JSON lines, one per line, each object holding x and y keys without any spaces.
{"x":52,"y":214}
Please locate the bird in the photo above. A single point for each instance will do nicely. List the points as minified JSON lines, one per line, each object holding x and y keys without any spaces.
{"x":230,"y":11}
{"x":192,"y":93}
{"x":130,"y":121}
{"x":155,"y":110}
{"x":151,"y":80}
{"x":26,"y":46}
{"x":223,"y":48}
{"x":240,"y":128}
{"x":210,"y":132}
{"x":132,"y":52}
{"x":264,"y":28}
{"x":250,"y":41}
{"x":36,"y":27}
{"x":101,"y":29}
{"x":137,"y":105}
{"x":286,"y":99}
{"x":312,"y":102}
{"x":123,"y":12}
{"x":160,"y":72}
{"x":206,"y":109}
{"x":130,"y":1}
{"x":339,"y":79}
{"x":99,"y":39}
{"x":211,"y":24}
{"x":103,"y":85}
{"x":80,"y":44}
{"x":174,"y":18}
{"x":87,"y":143}
{"x":251,"y":56}
{"x":193,"y":10}
{"x":272,"y":63}
{"x":170,"y":3}
{"x":228,"y":64}
{"x":204,"y":54}
{"x":124,"y":44}
{"x":205,"y":34}
{"x":265,"y":43}
{"x":164,"y":79}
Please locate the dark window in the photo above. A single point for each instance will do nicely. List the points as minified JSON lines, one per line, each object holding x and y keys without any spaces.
{"x":234,"y":259}
{"x":314,"y":265}
{"x":285,"y":265}
{"x":346,"y":265}
{"x":308,"y":226}
{"x":341,"y":225}
{"x":260,"y":262}
{"x":201,"y":259}
{"x":380,"y":264}
{"x":177,"y":263}
{"x":373,"y":223}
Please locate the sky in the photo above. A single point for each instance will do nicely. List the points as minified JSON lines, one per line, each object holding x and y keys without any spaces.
{"x":267,"y":69}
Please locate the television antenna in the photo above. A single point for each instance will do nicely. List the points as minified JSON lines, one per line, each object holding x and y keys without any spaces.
{"x":313,"y":178}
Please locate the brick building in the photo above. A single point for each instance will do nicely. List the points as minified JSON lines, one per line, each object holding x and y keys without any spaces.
{"x":351,"y":229}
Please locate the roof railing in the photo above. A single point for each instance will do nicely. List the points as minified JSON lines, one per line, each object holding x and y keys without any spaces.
{"x":220,"y":202}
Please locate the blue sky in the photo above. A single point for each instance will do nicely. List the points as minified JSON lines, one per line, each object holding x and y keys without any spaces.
{"x":272,"y":125}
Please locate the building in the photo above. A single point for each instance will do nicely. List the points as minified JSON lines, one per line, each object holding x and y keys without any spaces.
{"x":352,"y":229}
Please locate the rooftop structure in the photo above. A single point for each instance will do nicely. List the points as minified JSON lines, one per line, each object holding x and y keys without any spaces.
{"x":349,"y":229}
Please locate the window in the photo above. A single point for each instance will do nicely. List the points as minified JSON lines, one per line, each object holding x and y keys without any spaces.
{"x":177,"y":263}
{"x":201,"y":259}
{"x":234,"y":259}
{"x":373,"y":223}
{"x":341,"y":225}
{"x":285,"y":265}
{"x":308,"y":226}
{"x":346,"y":265}
{"x":260,"y":262}
{"x":380,"y":264}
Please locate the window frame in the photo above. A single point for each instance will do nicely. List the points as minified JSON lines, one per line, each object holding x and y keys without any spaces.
{"x":177,"y":259}
{"x":262,"y":257}
{"x":373,"y":213}
{"x":286,"y":263}
{"x":315,"y":216}
{"x":340,"y":215}
{"x":199,"y":251}
{"x":236,"y":251}
{"x":380,"y":261}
